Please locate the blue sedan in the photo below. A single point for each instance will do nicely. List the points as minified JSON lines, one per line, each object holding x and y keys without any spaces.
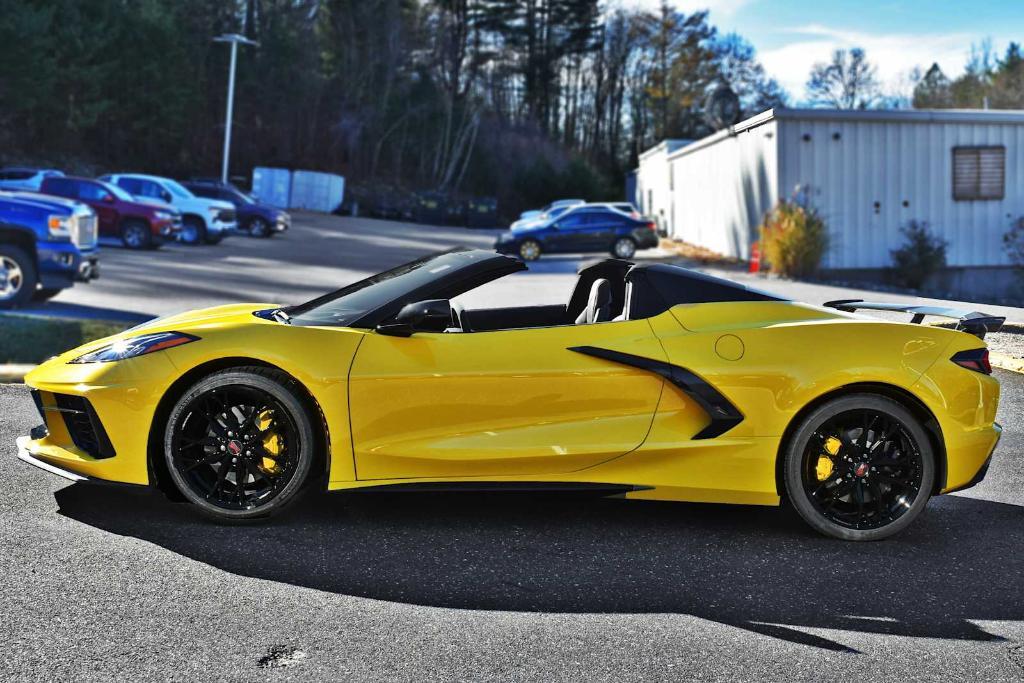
{"x":585,"y":229}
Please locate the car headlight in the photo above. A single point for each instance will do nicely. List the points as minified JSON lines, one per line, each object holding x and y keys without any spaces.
{"x":60,"y":226}
{"x":135,"y":346}
{"x":163,"y":215}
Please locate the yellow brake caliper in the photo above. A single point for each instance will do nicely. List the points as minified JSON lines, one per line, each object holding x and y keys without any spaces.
{"x":825,"y":465}
{"x":271,"y":444}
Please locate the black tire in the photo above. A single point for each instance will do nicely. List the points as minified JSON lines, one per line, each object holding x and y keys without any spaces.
{"x":529,"y":250}
{"x":214,"y":237}
{"x":18,"y":277}
{"x":854,"y":452}
{"x":45,"y":293}
{"x":193,"y":230}
{"x":214,"y":434}
{"x":624,"y":248}
{"x":259,"y":227}
{"x":136,"y":234}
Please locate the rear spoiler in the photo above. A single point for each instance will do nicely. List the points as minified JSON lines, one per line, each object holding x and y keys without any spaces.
{"x":971,"y":322}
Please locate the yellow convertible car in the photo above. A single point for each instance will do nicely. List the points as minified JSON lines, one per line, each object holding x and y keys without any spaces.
{"x":652,"y":382}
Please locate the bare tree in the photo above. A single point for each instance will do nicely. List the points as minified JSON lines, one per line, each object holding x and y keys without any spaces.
{"x":847,"y":82}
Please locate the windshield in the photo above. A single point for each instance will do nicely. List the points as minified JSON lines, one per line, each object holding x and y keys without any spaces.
{"x":349,"y":304}
{"x":117,"y":191}
{"x":241,"y":196}
{"x":557,"y":211}
{"x":177,"y":189}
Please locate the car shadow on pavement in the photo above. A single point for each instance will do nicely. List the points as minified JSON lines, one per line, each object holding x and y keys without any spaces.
{"x":757,"y":569}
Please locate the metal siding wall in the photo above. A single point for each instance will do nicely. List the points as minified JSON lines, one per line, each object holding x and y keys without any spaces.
{"x":652,"y":175}
{"x":723,"y":191}
{"x":890,"y":162}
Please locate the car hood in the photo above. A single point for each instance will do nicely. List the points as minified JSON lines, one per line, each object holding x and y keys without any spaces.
{"x":153,"y":203}
{"x":49,"y":201}
{"x":197,"y":319}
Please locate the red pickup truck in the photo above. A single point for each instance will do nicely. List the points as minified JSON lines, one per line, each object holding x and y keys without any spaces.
{"x":139,"y":224}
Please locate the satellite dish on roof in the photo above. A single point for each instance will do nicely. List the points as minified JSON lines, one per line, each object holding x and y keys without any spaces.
{"x":721,"y":108}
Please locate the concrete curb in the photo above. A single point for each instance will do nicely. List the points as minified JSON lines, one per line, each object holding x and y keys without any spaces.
{"x":14,"y":373}
{"x":1004,"y":362}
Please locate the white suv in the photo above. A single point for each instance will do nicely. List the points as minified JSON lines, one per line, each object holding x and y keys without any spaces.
{"x":203,"y":220}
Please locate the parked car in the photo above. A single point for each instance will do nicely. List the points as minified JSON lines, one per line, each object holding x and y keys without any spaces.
{"x":581,"y":229}
{"x":482,"y":212}
{"x":253,"y":216}
{"x":46,"y":245}
{"x":138,"y":223}
{"x":203,"y":220}
{"x":551,"y":211}
{"x":19,"y":178}
{"x":626,"y":208}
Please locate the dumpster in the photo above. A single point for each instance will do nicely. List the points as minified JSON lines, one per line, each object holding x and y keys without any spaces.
{"x":315,"y":191}
{"x":272,"y":186}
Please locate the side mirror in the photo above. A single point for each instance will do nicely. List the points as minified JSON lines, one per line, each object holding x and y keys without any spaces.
{"x":433,"y":315}
{"x":108,"y":198}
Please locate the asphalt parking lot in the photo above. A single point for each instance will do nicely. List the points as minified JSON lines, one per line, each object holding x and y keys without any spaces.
{"x":104,"y":583}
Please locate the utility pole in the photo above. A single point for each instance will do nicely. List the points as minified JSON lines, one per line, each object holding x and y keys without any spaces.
{"x":234,"y":39}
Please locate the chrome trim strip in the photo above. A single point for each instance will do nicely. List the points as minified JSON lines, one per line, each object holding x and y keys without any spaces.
{"x":26,"y":456}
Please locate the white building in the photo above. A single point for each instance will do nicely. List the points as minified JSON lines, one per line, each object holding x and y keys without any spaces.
{"x":868,"y":173}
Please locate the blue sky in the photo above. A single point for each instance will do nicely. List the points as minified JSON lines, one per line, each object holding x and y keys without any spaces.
{"x":791,"y":35}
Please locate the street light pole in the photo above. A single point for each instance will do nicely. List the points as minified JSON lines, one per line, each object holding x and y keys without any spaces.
{"x":234,"y":39}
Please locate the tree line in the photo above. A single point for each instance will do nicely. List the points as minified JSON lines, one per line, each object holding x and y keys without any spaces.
{"x":516,"y":98}
{"x":525,"y":100}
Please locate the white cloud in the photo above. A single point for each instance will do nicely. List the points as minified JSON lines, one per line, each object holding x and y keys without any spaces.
{"x":894,"y":54}
{"x":719,"y":9}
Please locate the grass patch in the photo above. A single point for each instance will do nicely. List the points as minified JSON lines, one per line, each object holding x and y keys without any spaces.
{"x":31,"y":339}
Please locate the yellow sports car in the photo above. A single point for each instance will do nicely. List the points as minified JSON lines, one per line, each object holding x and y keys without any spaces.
{"x":652,"y":382}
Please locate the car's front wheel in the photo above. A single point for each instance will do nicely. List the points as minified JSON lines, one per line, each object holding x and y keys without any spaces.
{"x":240,"y":443}
{"x":18,"y":276}
{"x":193,"y":230}
{"x":260,"y":227}
{"x":859,"y":468}
{"x":136,"y":235}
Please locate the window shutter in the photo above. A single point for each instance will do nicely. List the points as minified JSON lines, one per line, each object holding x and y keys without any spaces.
{"x":979,"y":173}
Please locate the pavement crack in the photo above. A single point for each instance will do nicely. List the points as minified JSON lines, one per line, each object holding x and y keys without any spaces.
{"x":281,"y":657}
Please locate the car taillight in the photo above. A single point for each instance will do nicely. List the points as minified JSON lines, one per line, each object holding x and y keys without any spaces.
{"x":974,"y":359}
{"x":651,"y":225}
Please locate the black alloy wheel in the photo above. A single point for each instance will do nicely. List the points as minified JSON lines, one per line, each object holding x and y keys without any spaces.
{"x":239,"y":444}
{"x":860,"y":468}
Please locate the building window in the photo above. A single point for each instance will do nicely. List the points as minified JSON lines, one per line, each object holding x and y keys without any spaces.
{"x":979,"y":173}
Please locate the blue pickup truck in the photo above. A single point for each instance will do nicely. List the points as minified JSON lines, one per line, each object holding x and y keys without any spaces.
{"x":46,"y":245}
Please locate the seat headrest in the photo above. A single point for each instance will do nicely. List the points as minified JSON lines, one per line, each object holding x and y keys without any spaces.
{"x":599,"y":304}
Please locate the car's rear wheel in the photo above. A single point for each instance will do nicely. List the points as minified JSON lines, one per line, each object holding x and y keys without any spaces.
{"x":18,"y":276}
{"x":136,"y":235}
{"x":240,"y":443}
{"x":624,"y":247}
{"x":193,"y":230}
{"x":859,"y":468}
{"x":529,"y":250}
